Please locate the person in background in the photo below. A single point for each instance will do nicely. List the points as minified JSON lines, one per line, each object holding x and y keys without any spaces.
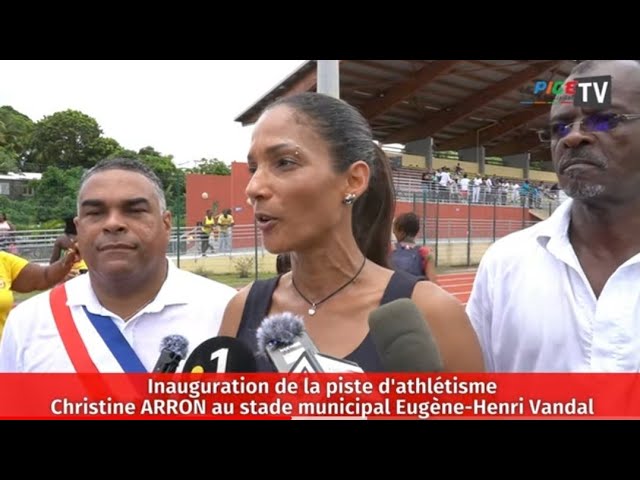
{"x":66,"y":243}
{"x":312,"y":156}
{"x":6,"y":227}
{"x":562,"y":295}
{"x":407,"y":255}
{"x":19,"y":275}
{"x":225,"y":223}
{"x":206,"y":232}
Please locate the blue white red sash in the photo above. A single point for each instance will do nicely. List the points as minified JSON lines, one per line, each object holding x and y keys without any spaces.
{"x":75,"y":345}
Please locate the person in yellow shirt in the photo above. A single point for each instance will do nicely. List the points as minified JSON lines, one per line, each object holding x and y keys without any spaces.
{"x":18,"y":274}
{"x":207,"y":228}
{"x":225,"y":223}
{"x":65,"y":243}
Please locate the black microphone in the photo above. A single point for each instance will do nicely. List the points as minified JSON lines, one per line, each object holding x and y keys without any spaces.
{"x":403,"y":339}
{"x":283,"y":339}
{"x":173,"y":349}
{"x":221,"y":355}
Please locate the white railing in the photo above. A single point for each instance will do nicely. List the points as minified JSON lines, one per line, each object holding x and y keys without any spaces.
{"x":37,"y":245}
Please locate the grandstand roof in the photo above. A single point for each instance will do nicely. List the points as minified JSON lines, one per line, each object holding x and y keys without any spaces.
{"x":460,"y":103}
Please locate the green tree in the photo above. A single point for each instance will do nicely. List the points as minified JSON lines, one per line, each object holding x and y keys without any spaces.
{"x":55,"y":195}
{"x":65,"y":139}
{"x":210,"y":167}
{"x":19,"y":212}
{"x":101,"y":148}
{"x":171,"y":176}
{"x":8,"y":161}
{"x":15,"y":136}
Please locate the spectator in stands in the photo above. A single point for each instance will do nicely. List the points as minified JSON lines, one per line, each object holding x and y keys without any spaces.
{"x":425,"y":180}
{"x":407,"y":255}
{"x":526,"y":194}
{"x":562,"y":295}
{"x":322,"y":190}
{"x":464,"y":187}
{"x":515,"y":192}
{"x":444,"y":182}
{"x":477,"y":187}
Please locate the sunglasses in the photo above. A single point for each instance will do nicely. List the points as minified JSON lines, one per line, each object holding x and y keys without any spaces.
{"x":598,"y":122}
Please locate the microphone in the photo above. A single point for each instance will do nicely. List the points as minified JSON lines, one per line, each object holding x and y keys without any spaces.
{"x":283,"y":339}
{"x":221,"y":355}
{"x":403,"y":339}
{"x":173,"y":349}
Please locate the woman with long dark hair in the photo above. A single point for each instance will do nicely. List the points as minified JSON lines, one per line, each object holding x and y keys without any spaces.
{"x":322,"y":190}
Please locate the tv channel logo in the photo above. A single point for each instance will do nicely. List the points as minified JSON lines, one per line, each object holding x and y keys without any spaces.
{"x":587,"y":92}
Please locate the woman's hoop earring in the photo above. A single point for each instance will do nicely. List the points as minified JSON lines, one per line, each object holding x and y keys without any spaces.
{"x":349,"y":199}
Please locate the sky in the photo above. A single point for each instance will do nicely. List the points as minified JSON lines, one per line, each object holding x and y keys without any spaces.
{"x":184,"y":108}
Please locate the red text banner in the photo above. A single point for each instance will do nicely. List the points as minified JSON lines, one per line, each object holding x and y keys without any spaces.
{"x":312,"y":396}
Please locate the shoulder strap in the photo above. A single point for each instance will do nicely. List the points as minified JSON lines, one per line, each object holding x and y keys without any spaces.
{"x":258,"y":302}
{"x":400,"y":286}
{"x":69,"y":334}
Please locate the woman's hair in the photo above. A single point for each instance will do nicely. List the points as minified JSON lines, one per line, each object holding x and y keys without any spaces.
{"x":283,"y":263}
{"x":350,"y":139}
{"x":70,"y":226}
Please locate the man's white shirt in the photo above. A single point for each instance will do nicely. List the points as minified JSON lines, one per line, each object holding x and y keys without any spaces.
{"x":534,"y":309}
{"x":187,"y":304}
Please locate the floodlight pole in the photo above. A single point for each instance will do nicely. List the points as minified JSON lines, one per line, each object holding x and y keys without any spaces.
{"x":329,"y":77}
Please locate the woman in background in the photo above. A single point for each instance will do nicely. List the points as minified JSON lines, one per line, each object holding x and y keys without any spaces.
{"x":64,"y":244}
{"x":20,"y":275}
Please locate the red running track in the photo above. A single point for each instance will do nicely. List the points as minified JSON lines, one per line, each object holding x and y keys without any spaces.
{"x":458,"y":284}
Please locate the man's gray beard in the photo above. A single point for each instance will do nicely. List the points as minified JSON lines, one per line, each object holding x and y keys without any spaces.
{"x":582,"y":191}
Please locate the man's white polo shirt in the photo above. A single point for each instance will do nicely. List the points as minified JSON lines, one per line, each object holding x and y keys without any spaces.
{"x":534,"y":310}
{"x":187,"y":304}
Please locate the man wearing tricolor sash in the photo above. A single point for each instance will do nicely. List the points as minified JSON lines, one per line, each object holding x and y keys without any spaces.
{"x":115,"y":318}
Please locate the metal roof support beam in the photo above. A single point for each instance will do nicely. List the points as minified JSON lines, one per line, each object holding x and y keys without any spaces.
{"x":520,"y":145}
{"x":504,"y":126}
{"x":400,"y":91}
{"x":466,"y":107}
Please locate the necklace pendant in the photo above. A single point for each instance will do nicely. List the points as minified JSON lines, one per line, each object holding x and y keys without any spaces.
{"x":312,"y":310}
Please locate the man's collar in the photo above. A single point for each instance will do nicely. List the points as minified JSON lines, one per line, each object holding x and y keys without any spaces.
{"x":553,"y":235}
{"x":557,"y":225}
{"x":80,"y":292}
